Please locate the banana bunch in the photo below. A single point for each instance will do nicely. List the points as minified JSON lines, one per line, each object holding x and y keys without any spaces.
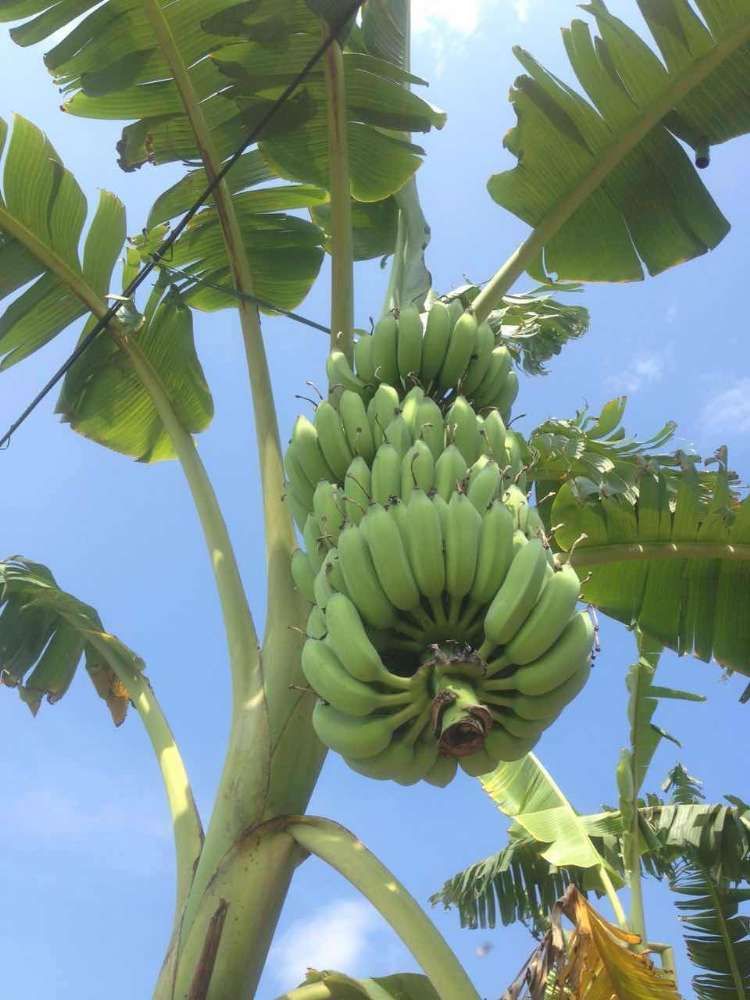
{"x":385,"y":448}
{"x":442,"y":635}
{"x":444,"y":351}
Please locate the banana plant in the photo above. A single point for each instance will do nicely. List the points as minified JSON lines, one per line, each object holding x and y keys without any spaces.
{"x":192,"y":81}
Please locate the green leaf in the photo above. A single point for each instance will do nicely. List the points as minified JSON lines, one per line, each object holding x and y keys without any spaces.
{"x":525,"y":791}
{"x":676,"y":562}
{"x":374,"y":225}
{"x":623,"y":194}
{"x":42,"y":213}
{"x":594,"y":456}
{"x":41,"y":221}
{"x":103,"y":398}
{"x":44,"y":633}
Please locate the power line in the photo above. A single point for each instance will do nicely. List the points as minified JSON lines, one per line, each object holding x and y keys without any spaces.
{"x":156,"y":257}
{"x":246,"y":297}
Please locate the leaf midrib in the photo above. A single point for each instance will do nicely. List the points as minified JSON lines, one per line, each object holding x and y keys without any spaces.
{"x":609,"y":158}
{"x":597,"y":555}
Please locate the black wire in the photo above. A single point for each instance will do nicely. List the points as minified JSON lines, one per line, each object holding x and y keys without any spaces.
{"x":246,"y":297}
{"x":156,"y":257}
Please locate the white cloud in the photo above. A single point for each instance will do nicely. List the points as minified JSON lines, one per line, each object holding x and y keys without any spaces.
{"x":334,"y":937}
{"x":729,"y":410}
{"x":460,"y":16}
{"x":441,"y":14}
{"x":644,"y":370}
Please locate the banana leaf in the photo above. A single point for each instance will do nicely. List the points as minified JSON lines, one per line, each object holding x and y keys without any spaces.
{"x":676,"y":563}
{"x":604,"y":178}
{"x":42,"y":215}
{"x":44,"y":634}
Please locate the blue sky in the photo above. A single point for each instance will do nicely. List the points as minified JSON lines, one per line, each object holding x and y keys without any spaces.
{"x":86,"y":866}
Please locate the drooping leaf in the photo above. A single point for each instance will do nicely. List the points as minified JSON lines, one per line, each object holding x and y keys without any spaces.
{"x":525,"y":791}
{"x":338,"y":986}
{"x":41,"y":223}
{"x":374,"y":227}
{"x":676,"y":562}
{"x":623,"y":194}
{"x":44,"y":633}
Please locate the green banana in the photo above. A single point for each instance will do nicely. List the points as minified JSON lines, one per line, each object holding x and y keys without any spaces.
{"x":417,"y":470}
{"x":517,"y":595}
{"x":321,"y":585}
{"x":477,"y":764}
{"x":518,"y":504}
{"x":297,"y":509}
{"x":464,"y":525}
{"x":308,"y":451}
{"x":316,"y":624}
{"x":498,"y":369}
{"x":442,"y":772}
{"x":385,"y":350}
{"x":381,"y":410}
{"x":332,"y":438}
{"x":303,"y":575}
{"x":494,"y":438}
{"x":495,"y":553}
{"x":506,"y":397}
{"x":436,"y":338}
{"x":348,"y":638}
{"x":516,"y":455}
{"x":409,"y":407}
{"x":535,"y":525}
{"x":330,"y":680}
{"x":296,"y":478}
{"x":340,"y":374}
{"x":335,"y":576}
{"x":401,"y":761}
{"x":364,"y":363}
{"x":484,"y":487}
{"x":480,"y":359}
{"x":357,"y":737}
{"x":428,"y":426}
{"x":463,"y":341}
{"x":549,"y":706}
{"x":409,"y":350}
{"x":563,"y":659}
{"x":500,"y":745}
{"x":548,"y":620}
{"x":389,"y":558}
{"x":461,"y":422}
{"x":357,"y":488}
{"x":314,"y":545}
{"x":329,"y":508}
{"x":386,"y":474}
{"x":425,"y":546}
{"x":356,"y":425}
{"x":441,"y":507}
{"x":520,"y":729}
{"x":361,"y":580}
{"x":450,"y":470}
{"x":399,"y":435}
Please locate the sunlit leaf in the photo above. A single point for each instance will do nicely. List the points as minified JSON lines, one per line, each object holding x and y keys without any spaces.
{"x":605,"y":178}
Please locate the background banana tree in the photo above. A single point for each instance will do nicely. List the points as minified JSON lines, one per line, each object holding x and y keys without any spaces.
{"x":142,"y":391}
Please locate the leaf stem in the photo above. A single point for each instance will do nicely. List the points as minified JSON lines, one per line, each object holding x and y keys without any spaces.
{"x":606,"y":161}
{"x":186,"y":823}
{"x":342,"y":249}
{"x":614,"y":899}
{"x":347,"y":855}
